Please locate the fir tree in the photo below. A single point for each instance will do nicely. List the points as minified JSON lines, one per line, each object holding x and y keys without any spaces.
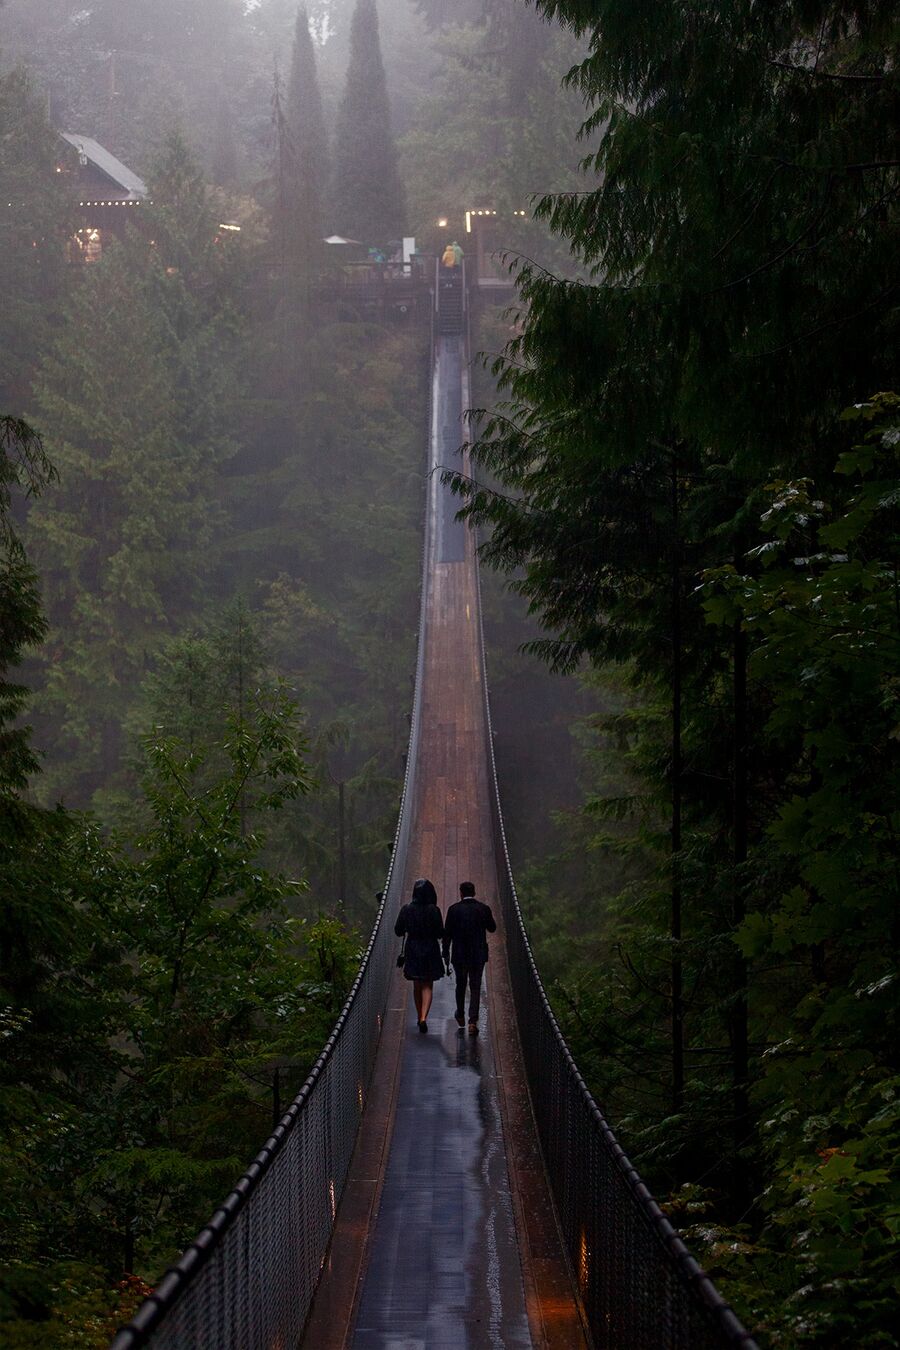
{"x":307,"y":164}
{"x":137,"y":417}
{"x":367,"y":199}
{"x":739,"y":240}
{"x":37,"y":219}
{"x":161,"y":68}
{"x":24,"y":466}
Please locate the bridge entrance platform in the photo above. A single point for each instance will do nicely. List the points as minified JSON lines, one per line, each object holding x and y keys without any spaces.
{"x":446,"y":1235}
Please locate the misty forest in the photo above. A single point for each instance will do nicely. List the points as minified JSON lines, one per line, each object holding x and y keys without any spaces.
{"x":220,"y":223}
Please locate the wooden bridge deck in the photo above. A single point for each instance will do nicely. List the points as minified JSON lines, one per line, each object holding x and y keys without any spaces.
{"x":446,"y":1235}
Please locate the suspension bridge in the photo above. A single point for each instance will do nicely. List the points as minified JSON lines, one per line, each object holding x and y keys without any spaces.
{"x":429,"y":1192}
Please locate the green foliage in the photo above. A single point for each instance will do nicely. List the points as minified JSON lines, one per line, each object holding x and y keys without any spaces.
{"x":165,"y":65}
{"x":487,"y":135}
{"x":148,"y":1001}
{"x":666,"y":502}
{"x":37,"y":219}
{"x":821,"y":605}
{"x":132,"y":519}
{"x":23,"y":465}
{"x":307,"y":167}
{"x":69,"y":1306}
{"x":367,"y":195}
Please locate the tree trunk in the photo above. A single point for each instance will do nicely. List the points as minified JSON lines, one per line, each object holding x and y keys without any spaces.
{"x":739,"y":1033}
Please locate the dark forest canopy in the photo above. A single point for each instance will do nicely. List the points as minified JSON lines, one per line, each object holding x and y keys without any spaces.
{"x":699,"y":473}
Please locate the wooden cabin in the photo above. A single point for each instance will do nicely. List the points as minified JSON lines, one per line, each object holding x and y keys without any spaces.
{"x":106,"y":190}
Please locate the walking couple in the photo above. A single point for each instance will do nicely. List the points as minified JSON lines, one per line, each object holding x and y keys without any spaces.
{"x":462,"y":936}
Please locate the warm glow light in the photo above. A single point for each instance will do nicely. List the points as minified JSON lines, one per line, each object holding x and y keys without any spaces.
{"x":442,"y":222}
{"x":583,"y":1264}
{"x":359,"y":1095}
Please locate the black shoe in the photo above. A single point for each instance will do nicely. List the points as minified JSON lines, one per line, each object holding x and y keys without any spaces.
{"x":460,"y":1020}
{"x":473,"y":1028}
{"x":423,"y":1027}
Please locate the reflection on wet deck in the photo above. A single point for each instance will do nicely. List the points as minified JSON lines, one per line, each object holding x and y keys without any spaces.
{"x":444,"y":1266}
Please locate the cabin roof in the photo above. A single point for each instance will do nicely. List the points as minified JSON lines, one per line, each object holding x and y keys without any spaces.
{"x":134,"y":188}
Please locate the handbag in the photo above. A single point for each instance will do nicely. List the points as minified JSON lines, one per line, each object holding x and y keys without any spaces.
{"x":402,"y":957}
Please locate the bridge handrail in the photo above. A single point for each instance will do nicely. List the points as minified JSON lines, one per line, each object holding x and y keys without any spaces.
{"x":184,"y":1310}
{"x":671,"y":1301}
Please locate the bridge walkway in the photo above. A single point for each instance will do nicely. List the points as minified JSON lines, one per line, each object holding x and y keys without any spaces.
{"x":453,"y":1228}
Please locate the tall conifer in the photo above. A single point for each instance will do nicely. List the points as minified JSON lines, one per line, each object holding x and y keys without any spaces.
{"x":307,"y":166}
{"x":367,"y":200}
{"x":666,"y":416}
{"x":137,"y":420}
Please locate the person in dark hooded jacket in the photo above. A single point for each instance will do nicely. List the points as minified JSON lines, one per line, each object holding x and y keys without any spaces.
{"x":422,"y":924}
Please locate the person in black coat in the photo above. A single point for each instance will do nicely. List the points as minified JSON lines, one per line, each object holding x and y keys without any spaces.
{"x":421,"y":923}
{"x":465,"y":939}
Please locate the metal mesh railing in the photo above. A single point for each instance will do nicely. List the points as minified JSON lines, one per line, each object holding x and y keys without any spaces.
{"x":640,"y":1287}
{"x":247,"y":1280}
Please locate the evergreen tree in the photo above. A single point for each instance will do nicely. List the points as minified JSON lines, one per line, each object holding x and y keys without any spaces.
{"x":367,"y":195}
{"x":480,"y":136}
{"x":307,"y":166}
{"x":135,"y":401}
{"x":36,"y":222}
{"x":739,"y":241}
{"x":23,"y":465}
{"x":161,"y":68}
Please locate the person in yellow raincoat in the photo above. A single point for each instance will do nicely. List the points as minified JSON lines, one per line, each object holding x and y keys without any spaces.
{"x":449,"y":258}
